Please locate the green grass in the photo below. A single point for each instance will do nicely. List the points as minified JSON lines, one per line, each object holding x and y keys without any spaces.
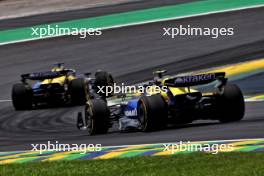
{"x":199,"y":164}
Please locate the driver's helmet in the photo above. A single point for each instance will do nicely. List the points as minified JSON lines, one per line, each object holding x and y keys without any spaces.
{"x":157,"y":80}
{"x":58,"y":68}
{"x":158,"y":76}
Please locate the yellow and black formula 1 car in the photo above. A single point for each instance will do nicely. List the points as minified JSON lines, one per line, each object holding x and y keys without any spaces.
{"x":177,"y":104}
{"x":60,"y":86}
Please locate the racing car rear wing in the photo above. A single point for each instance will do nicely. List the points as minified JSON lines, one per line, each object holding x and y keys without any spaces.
{"x":41,"y":75}
{"x":194,"y":80}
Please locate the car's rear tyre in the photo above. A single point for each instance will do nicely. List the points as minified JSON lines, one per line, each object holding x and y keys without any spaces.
{"x":97,"y":115}
{"x":21,"y":97}
{"x":152,"y":113}
{"x":103,"y":79}
{"x":230,"y":104}
{"x":78,"y":91}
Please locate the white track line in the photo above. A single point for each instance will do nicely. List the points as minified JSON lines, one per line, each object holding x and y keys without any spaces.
{"x":146,"y":22}
{"x":44,"y":12}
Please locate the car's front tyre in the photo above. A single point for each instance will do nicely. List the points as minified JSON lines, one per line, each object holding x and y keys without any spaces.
{"x":104,"y":79}
{"x":97,"y":116}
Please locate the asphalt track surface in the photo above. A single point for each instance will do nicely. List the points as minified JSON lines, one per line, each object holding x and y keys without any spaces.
{"x":131,"y":54}
{"x":84,"y":13}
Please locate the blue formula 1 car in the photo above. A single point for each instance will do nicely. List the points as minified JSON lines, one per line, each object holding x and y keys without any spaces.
{"x":176,"y":104}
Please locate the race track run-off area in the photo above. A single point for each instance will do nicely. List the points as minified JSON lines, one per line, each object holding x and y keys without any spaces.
{"x":131,"y":48}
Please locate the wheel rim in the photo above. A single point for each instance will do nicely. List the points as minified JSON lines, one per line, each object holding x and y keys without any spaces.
{"x":142,"y":117}
{"x":89,"y":121}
